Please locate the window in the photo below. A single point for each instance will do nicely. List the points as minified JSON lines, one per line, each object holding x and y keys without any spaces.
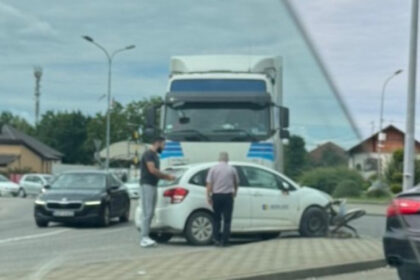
{"x":37,"y":180}
{"x":199,"y":178}
{"x":79,"y":181}
{"x":113,"y":181}
{"x":260,"y":178}
{"x":29,"y":179}
{"x":3,"y":179}
{"x":215,"y":122}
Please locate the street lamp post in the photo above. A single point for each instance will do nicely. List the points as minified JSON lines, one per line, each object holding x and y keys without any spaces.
{"x":381,"y":121}
{"x":108,"y":113}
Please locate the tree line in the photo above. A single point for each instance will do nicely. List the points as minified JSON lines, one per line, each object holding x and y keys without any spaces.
{"x":73,"y":133}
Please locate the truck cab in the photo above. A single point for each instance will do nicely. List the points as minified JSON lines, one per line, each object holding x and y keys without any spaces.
{"x":223,"y":103}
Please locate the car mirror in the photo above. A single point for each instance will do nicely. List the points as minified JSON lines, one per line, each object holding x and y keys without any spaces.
{"x":285,"y":187}
{"x":113,"y":188}
{"x":47,"y":187}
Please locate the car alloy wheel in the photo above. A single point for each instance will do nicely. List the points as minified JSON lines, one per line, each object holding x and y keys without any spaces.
{"x":314,"y":222}
{"x":199,"y":229}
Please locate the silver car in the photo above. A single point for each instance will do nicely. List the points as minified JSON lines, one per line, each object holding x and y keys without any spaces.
{"x":32,"y":184}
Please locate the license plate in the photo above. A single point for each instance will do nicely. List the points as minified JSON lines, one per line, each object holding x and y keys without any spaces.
{"x":63,"y":213}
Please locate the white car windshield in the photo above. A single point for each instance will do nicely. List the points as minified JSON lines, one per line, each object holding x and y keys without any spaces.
{"x":3,"y":179}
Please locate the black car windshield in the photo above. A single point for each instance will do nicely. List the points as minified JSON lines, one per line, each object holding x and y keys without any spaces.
{"x":79,"y":181}
{"x":217,"y":122}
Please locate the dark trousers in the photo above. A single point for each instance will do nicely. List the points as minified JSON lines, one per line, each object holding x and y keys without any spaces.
{"x":222,"y":207}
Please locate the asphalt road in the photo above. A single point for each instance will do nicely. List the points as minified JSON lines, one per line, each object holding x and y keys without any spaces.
{"x":24,"y":247}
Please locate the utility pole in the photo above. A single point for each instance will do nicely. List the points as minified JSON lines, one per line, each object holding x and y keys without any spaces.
{"x":381,"y":135}
{"x":38,"y":75}
{"x":109,"y":57}
{"x":409,"y":151}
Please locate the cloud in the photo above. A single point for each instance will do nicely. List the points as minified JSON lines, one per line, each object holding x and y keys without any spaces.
{"x":360,"y":41}
{"x":20,"y":24}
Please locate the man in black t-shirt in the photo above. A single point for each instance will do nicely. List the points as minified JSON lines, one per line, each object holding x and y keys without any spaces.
{"x":150,"y":175}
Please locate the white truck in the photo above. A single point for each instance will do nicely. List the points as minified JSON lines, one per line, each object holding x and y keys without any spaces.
{"x":222,"y":103}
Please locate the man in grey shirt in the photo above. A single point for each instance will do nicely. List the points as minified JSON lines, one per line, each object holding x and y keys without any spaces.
{"x":222,"y":186}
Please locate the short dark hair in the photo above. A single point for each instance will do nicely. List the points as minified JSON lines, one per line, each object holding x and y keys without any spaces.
{"x":158,"y":139}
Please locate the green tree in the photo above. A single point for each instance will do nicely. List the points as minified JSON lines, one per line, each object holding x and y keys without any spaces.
{"x":66,"y":132}
{"x":17,"y":122}
{"x":295,"y":157}
{"x":328,"y":178}
{"x":394,"y":171}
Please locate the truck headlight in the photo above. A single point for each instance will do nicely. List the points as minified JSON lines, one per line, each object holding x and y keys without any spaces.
{"x":94,"y":202}
{"x":40,"y":202}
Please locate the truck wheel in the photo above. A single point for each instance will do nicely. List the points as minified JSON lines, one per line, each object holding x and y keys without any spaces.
{"x":105,"y":217}
{"x":161,"y":237}
{"x":314,"y":222}
{"x":41,"y":223}
{"x":199,"y":229}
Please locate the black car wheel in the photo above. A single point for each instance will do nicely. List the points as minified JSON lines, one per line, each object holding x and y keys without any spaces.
{"x":199,"y":229}
{"x":41,"y":223}
{"x":105,"y":218}
{"x":161,"y":237}
{"x":126,"y":216}
{"x":314,"y":222}
{"x":407,"y":273}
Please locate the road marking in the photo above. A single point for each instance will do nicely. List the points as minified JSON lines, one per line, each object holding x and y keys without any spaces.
{"x":46,"y":268}
{"x":33,"y":236}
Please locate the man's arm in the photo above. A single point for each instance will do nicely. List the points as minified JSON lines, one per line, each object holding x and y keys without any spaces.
{"x":209,"y":187}
{"x":153,"y":170}
{"x":209,"y":192}
{"x":235,"y":182}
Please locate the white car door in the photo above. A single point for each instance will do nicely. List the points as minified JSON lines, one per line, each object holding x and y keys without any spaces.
{"x":273,"y":208}
{"x":38,"y":184}
{"x":27,"y":184}
{"x":241,"y":208}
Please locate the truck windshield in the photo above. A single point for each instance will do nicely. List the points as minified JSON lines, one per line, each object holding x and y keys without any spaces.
{"x":217,"y":122}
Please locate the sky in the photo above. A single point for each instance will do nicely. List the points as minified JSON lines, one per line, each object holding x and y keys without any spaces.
{"x":361,"y":43}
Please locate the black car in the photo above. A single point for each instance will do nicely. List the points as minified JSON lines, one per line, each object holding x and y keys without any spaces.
{"x":89,"y":196}
{"x":402,"y":235}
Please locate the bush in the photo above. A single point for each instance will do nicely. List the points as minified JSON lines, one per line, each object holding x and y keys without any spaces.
{"x":327,"y":178}
{"x":397,"y":177}
{"x":348,"y":188}
{"x":378,"y":193}
{"x":396,"y":188}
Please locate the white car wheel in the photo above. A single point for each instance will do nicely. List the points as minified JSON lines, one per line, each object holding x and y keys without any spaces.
{"x":199,"y":230}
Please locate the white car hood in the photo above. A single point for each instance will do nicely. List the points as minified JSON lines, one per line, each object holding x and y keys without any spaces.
{"x":9,"y":185}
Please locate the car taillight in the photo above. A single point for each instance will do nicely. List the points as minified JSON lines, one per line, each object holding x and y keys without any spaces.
{"x":403,"y":207}
{"x":177,"y":195}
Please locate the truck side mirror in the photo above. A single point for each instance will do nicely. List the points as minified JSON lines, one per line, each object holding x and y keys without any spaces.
{"x":284,"y":117}
{"x":150,"y":117}
{"x":284,"y":122}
